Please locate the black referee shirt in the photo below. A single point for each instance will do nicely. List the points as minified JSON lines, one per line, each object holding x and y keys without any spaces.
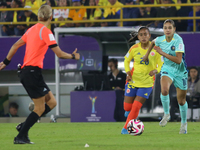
{"x":119,"y":81}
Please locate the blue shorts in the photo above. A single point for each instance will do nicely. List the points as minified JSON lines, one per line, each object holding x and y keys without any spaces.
{"x":179,"y":79}
{"x":132,"y":91}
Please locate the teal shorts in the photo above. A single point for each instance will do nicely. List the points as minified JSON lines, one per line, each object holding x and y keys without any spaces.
{"x":179,"y":79}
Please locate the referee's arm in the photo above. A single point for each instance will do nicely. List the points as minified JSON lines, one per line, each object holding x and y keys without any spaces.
{"x":61,"y":54}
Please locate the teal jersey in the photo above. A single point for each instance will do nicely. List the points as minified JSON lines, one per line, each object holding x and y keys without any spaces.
{"x":175,"y":45}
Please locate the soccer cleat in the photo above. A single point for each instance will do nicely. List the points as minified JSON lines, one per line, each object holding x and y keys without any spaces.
{"x":26,"y":138}
{"x":19,"y":126}
{"x":124,"y":131}
{"x":164,"y":120}
{"x":183,"y":129}
{"x":21,"y":141}
{"x":126,"y":113}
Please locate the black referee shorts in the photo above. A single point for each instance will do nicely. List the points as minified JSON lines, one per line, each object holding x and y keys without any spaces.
{"x":33,"y":82}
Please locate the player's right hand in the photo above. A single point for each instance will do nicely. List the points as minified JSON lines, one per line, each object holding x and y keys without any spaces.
{"x":77,"y":55}
{"x":2,"y":65}
{"x":128,"y":78}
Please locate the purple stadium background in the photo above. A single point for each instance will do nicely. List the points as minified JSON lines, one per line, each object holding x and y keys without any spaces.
{"x":69,"y":43}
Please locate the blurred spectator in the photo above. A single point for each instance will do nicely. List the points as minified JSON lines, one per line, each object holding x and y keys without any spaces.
{"x":3,"y":15}
{"x":130,"y":13}
{"x":102,"y":2}
{"x":34,"y":4}
{"x":190,"y":22}
{"x":92,"y":14}
{"x":85,"y":2}
{"x":61,"y":14}
{"x":13,"y":16}
{"x":165,"y":11}
{"x":117,"y":77}
{"x":13,"y":109}
{"x":111,"y":13}
{"x":182,"y":12}
{"x":52,"y":3}
{"x":29,"y":16}
{"x":148,"y":12}
{"x":192,"y":91}
{"x":8,"y":2}
{"x":76,"y":14}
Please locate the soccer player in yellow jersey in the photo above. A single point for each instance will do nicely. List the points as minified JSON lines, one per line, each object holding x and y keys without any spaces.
{"x":140,"y":79}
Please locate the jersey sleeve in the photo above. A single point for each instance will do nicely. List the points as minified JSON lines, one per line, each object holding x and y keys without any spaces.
{"x":157,"y":41}
{"x":180,"y":47}
{"x":127,"y":58}
{"x":48,"y":37}
{"x":24,"y":36}
{"x":159,"y":62}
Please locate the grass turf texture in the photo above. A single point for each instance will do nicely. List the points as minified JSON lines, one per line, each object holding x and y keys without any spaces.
{"x":102,"y":136}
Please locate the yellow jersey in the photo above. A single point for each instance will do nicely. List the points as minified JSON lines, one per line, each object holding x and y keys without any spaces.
{"x":141,"y":69}
{"x":112,"y":10}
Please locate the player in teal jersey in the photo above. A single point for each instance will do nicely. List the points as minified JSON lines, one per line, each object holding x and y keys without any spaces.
{"x":174,"y":71}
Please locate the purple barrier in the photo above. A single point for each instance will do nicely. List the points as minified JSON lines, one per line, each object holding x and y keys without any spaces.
{"x":92,"y":106}
{"x":66,"y":43}
{"x":69,"y":43}
{"x":192,"y":44}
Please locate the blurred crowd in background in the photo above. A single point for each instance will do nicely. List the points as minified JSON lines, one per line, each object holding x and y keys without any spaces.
{"x":95,"y":14}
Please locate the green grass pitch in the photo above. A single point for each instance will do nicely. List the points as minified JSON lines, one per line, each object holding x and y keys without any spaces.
{"x":102,"y":136}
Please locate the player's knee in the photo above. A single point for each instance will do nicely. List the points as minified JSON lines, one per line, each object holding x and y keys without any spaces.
{"x":165,"y":92}
{"x":181,"y":103}
{"x":39,"y":109}
{"x":54,"y":103}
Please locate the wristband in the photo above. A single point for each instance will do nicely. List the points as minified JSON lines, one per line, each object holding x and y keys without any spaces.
{"x":73,"y":56}
{"x":6,"y":61}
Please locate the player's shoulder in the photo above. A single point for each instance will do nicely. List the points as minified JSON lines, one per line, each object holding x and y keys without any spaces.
{"x":134,"y":47}
{"x":160,"y":38}
{"x":177,"y":37}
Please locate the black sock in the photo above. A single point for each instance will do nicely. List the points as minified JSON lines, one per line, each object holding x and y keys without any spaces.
{"x":47,"y":109}
{"x":30,"y":121}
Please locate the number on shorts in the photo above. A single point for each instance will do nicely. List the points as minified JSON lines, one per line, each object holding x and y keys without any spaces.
{"x":184,"y":81}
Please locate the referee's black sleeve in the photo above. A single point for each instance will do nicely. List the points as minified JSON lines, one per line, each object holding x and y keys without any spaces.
{"x":52,"y":46}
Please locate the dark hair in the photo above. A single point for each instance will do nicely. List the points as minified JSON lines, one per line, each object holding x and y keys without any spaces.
{"x":115,"y":61}
{"x":13,"y":105}
{"x":134,"y":34}
{"x":193,"y":67}
{"x":18,"y":2}
{"x":170,"y":21}
{"x":53,"y":4}
{"x":88,"y":11}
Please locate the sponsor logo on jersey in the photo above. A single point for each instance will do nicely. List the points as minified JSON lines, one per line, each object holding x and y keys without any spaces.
{"x":138,"y":53}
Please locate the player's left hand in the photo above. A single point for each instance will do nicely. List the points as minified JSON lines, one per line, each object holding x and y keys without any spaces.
{"x":158,"y":49}
{"x":2,"y":65}
{"x":153,"y":72}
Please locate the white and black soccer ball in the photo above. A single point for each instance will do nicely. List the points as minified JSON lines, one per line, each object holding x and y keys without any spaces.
{"x":135,"y":127}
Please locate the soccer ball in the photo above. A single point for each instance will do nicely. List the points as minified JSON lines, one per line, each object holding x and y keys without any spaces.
{"x":135,"y":127}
